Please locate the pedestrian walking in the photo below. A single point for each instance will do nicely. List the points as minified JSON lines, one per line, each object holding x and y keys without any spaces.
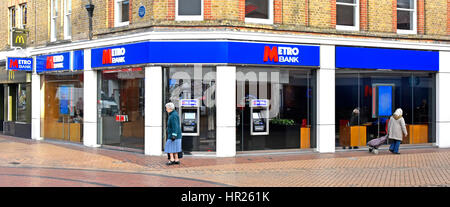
{"x":396,"y":130}
{"x":173,"y":143}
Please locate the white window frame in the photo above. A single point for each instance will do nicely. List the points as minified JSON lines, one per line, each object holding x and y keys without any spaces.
{"x":355,"y":15}
{"x":118,"y":14}
{"x":21,"y":7}
{"x":189,"y":17}
{"x":262,"y":21}
{"x":414,"y":22}
{"x":10,"y":11}
{"x":10,"y":25}
{"x":53,"y":19}
{"x":67,"y":19}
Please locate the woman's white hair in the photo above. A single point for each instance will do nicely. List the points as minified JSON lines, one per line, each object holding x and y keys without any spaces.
{"x":170,"y":105}
{"x":398,"y":112}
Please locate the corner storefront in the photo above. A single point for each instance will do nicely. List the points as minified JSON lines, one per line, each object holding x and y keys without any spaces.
{"x":236,"y":96}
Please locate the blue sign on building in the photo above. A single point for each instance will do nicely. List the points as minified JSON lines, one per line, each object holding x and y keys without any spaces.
{"x":78,"y":60}
{"x":141,"y":11}
{"x":137,"y":53}
{"x":273,"y":54}
{"x":217,"y":52}
{"x":53,"y":62}
{"x":380,"y":58}
{"x":19,"y":64}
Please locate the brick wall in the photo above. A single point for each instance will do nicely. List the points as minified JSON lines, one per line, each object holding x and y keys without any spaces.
{"x":295,"y":12}
{"x":380,"y":16}
{"x":377,"y":17}
{"x":420,"y":17}
{"x":394,"y":16}
{"x":435,"y":15}
{"x":320,"y":14}
{"x":363,"y":12}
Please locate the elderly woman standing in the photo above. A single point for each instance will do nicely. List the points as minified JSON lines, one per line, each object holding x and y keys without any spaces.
{"x":396,"y":130}
{"x":173,"y":144}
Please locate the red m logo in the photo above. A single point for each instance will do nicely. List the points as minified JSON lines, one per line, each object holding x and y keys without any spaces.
{"x":50,"y":64}
{"x":107,"y":57}
{"x":271,"y":54}
{"x":13,"y":64}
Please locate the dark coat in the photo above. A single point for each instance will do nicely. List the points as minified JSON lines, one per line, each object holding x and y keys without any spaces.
{"x":173,"y":125}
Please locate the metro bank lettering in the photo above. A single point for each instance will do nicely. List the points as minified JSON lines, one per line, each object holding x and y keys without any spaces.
{"x":111,"y":56}
{"x":23,"y":64}
{"x":53,"y":62}
{"x":281,"y":54}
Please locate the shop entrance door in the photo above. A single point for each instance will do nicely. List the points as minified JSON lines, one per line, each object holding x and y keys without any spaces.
{"x":63,"y":111}
{"x":121,"y":108}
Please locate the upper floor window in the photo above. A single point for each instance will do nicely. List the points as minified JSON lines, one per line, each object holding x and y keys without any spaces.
{"x":406,"y":16}
{"x":347,"y":14}
{"x":259,"y":11}
{"x":189,"y":10}
{"x":122,"y":13}
{"x":67,"y":19}
{"x":12,"y":17}
{"x":23,"y":15}
{"x":53,"y":19}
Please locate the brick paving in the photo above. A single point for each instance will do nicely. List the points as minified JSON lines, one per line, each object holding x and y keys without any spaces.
{"x":25,"y":162}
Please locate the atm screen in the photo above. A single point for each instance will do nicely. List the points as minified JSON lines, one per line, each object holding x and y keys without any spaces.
{"x":189,"y":115}
{"x":256,"y":115}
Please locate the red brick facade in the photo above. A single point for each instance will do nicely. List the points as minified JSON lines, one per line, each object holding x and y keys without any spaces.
{"x":171,"y":9}
{"x":207,"y":10}
{"x":420,"y":17}
{"x":333,"y":13}
{"x":110,"y":13}
{"x":363,"y":22}
{"x":277,"y":11}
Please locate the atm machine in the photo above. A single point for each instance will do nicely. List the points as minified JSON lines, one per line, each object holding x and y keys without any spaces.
{"x":259,"y":117}
{"x":190,"y":117}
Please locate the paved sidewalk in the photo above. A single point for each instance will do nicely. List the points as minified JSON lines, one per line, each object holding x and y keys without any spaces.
{"x":25,"y":162}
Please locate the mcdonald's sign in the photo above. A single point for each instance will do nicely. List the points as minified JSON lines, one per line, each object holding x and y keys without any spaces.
{"x":19,"y":39}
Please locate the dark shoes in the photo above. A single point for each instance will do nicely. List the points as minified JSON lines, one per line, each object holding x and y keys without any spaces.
{"x":397,"y":153}
{"x":173,"y":163}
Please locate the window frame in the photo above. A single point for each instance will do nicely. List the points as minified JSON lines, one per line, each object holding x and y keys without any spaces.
{"x":355,"y":15}
{"x":189,"y":17}
{"x":11,"y":23}
{"x":118,"y":14}
{"x":12,"y":17}
{"x":260,"y":20}
{"x":23,"y":7}
{"x":53,"y":20}
{"x":414,"y":22}
{"x":67,"y":19}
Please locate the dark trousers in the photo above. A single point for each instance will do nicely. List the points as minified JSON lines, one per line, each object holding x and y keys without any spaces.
{"x":394,"y":145}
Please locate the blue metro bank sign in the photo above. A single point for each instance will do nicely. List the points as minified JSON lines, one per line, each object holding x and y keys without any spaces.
{"x":217,"y":52}
{"x":20,"y":64}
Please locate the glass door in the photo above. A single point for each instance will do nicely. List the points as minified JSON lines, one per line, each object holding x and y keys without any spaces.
{"x":63,"y":107}
{"x":121,"y":108}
